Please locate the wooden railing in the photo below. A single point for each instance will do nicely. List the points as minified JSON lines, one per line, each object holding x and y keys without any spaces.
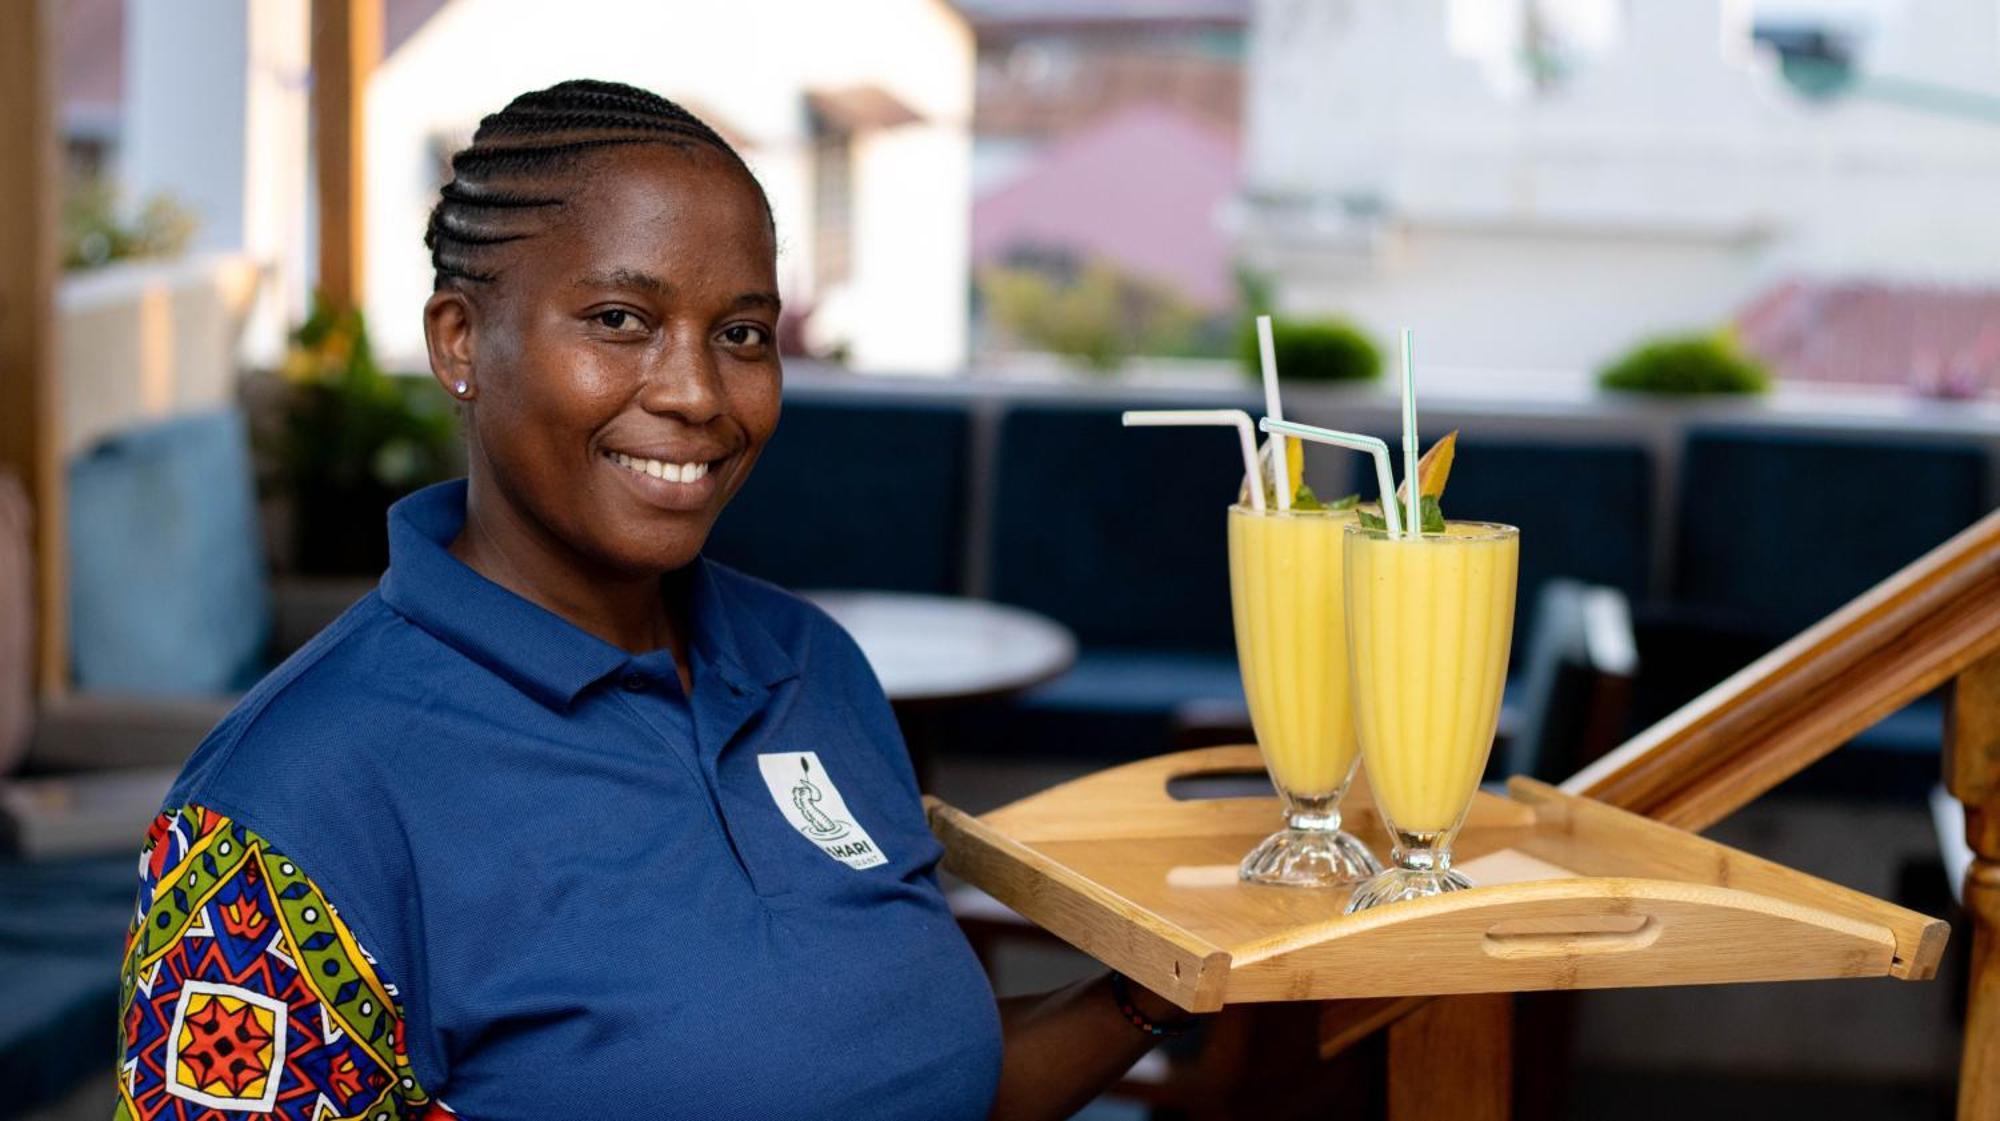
{"x":1935,"y":623}
{"x":1912,"y":633}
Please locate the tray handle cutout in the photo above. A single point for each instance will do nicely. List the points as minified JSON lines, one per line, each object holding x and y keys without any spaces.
{"x":1562,"y":937}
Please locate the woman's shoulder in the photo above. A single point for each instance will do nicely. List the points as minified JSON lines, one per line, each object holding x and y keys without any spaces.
{"x":317,"y":713}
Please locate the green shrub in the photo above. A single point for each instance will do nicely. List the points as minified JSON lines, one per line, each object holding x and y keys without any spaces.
{"x":97,"y":231}
{"x":1686,"y":365}
{"x":1313,"y":350}
{"x":1099,"y":315}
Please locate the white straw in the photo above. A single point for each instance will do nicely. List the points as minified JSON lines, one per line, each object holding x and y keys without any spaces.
{"x":1225,"y":418}
{"x":1378,"y":450}
{"x":1413,"y":503}
{"x":1281,"y":467}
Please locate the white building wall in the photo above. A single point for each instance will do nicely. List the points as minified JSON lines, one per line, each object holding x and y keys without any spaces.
{"x":215,"y":116}
{"x":1670,"y":180}
{"x":185,"y":110}
{"x":750,"y":64}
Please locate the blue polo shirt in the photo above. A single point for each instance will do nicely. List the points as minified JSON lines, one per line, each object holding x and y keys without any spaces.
{"x":591,"y":894}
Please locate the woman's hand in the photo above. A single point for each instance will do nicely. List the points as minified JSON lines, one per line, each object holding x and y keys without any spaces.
{"x":1063,"y":1048}
{"x":1155,"y":1007}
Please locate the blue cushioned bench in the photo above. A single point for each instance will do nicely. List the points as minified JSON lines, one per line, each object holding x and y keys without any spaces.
{"x":62,"y":927}
{"x":1779,"y":529}
{"x":854,"y":494}
{"x":1119,"y":534}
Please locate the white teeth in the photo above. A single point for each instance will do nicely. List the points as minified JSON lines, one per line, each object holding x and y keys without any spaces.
{"x":661,"y":469}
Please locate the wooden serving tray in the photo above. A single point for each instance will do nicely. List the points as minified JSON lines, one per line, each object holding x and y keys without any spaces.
{"x":1572,"y":894}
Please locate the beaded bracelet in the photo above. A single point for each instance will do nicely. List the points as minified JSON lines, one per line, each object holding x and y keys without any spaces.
{"x":1121,"y":991}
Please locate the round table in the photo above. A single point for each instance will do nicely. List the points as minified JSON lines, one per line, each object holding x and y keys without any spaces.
{"x":933,"y":653}
{"x":945,"y":649}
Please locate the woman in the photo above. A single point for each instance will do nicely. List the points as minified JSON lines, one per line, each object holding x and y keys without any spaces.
{"x":564,"y":820}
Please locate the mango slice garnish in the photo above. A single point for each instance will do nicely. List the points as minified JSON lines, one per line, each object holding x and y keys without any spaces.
{"x":1433,"y":469}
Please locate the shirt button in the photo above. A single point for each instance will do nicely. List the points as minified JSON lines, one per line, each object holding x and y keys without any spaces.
{"x":634,"y":683}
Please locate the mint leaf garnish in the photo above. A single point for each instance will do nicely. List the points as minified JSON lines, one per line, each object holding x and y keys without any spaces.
{"x":1345,"y":502}
{"x":1430,"y":514}
{"x":1305,"y":499}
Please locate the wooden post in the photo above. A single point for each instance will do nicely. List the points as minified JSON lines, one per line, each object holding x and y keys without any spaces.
{"x":1972,"y":773}
{"x":346,"y":45}
{"x":30,"y":426}
{"x":1453,"y":1060}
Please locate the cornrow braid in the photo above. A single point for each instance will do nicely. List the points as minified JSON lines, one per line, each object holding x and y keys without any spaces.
{"x":515,"y":168}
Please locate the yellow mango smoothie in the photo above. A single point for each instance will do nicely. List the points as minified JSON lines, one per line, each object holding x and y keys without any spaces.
{"x":1291,"y":645}
{"x":1429,"y":622}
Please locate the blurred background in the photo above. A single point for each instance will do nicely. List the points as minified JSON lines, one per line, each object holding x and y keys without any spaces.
{"x":1711,"y":289}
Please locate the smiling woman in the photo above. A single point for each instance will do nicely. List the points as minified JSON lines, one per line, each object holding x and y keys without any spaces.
{"x":566,"y":820}
{"x":616,"y":332}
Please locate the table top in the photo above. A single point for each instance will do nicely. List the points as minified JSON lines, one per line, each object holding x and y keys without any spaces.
{"x":928,"y":648}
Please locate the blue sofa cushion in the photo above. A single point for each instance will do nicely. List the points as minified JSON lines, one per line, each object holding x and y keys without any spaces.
{"x":61,"y":927}
{"x":168,"y":594}
{"x":1119,"y":533}
{"x":56,"y":1025}
{"x":854,"y":495}
{"x":1140,"y":681}
{"x":1778,"y":530}
{"x":1114,"y":705}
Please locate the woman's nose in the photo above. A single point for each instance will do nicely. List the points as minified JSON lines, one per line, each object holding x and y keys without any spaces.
{"x":686,"y":383}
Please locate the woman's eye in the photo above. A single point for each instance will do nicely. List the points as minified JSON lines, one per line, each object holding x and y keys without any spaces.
{"x":745,"y":334}
{"x":618,"y":319}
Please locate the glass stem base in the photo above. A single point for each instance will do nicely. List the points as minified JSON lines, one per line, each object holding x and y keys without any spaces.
{"x":1398,"y":884}
{"x":1423,"y":868}
{"x":1311,"y":851}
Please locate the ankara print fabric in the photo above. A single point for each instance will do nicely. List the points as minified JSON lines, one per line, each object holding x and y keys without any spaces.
{"x":243,"y":993}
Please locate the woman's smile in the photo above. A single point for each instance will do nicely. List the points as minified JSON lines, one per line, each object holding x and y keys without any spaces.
{"x":676,"y":482}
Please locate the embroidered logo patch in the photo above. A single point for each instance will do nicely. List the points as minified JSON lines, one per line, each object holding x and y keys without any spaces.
{"x":805,"y":794}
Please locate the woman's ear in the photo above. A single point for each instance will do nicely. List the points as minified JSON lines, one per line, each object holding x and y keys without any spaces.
{"x":449,"y":322}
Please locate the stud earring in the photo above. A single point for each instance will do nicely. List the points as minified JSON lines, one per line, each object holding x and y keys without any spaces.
{"x":461,"y":389}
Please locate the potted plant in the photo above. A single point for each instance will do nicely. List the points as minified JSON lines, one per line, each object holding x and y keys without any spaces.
{"x":352,"y":440}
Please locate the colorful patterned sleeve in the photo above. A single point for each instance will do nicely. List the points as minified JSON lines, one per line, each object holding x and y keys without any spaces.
{"x":244,"y":994}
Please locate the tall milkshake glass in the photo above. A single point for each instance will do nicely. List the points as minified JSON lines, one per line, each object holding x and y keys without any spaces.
{"x":1429,"y":620}
{"x":1286,"y":594}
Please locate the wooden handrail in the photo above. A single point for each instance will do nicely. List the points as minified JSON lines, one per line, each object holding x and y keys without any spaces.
{"x":1935,"y":622}
{"x":1972,"y":774}
{"x":1908,"y":635}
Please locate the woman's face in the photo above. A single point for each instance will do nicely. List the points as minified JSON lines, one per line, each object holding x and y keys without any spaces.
{"x":624,"y":364}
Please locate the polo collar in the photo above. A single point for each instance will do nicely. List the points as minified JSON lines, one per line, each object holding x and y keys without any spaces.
{"x":538,"y":651}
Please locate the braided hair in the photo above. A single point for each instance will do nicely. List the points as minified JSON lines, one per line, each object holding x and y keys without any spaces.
{"x":513,"y":170}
